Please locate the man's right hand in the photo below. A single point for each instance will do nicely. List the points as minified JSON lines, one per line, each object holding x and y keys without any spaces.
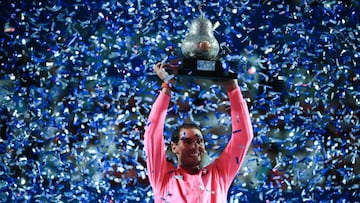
{"x":165,"y":77}
{"x":159,"y":68}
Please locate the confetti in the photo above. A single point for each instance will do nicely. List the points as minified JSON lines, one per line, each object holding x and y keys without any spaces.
{"x":75,"y":94}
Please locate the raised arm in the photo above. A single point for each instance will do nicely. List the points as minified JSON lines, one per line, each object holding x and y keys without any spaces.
{"x":153,"y":138}
{"x":233,"y":155}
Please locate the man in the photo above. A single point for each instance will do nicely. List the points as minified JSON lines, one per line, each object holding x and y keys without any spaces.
{"x":190,"y":182}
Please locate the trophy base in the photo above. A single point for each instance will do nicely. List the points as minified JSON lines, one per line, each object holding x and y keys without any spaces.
{"x":206,"y":69}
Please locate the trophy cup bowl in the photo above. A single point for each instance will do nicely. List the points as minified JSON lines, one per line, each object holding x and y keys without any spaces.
{"x":200,"y":49}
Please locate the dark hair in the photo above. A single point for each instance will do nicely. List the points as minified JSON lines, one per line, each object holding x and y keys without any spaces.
{"x":175,"y":135}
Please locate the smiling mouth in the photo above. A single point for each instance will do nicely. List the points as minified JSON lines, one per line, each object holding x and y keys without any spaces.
{"x":194,"y":154}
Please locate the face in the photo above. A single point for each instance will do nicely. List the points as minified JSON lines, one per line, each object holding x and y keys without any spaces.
{"x":190,"y":148}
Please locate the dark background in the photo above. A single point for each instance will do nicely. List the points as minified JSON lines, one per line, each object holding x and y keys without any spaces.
{"x":76,"y":89}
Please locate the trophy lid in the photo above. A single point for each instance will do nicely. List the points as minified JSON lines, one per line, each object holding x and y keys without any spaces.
{"x":201,"y":26}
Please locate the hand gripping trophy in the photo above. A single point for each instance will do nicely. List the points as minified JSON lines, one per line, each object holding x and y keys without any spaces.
{"x":201,"y":49}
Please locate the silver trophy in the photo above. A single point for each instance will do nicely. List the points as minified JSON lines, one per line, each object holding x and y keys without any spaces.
{"x":200,"y":49}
